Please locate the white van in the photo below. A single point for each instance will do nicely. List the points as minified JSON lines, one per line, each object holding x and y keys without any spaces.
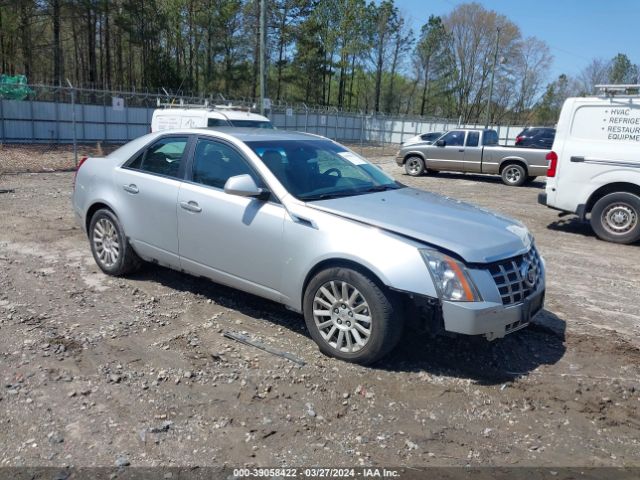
{"x":206,"y":117}
{"x":594,"y":165}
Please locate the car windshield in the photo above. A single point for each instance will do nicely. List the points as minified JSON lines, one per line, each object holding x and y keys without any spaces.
{"x":321,"y":169}
{"x":251,"y":124}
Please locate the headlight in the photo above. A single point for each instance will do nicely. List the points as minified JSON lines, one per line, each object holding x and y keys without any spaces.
{"x":450,"y":277}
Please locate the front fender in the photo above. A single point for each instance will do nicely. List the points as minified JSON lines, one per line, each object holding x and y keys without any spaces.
{"x":395,"y":260}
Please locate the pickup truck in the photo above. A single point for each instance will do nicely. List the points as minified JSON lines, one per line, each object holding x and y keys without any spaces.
{"x":474,"y":151}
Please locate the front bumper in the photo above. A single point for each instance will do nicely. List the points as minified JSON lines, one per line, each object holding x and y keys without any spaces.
{"x":493,"y":320}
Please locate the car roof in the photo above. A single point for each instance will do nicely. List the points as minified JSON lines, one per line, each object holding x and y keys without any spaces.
{"x":245,"y":134}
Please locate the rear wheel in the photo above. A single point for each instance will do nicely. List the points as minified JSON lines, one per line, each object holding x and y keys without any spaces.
{"x":514,"y":175}
{"x":350,"y":317}
{"x":414,"y":166}
{"x":109,"y":245}
{"x":616,"y":217}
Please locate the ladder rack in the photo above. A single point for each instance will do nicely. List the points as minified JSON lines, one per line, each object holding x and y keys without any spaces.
{"x":205,"y":105}
{"x":620,"y":89}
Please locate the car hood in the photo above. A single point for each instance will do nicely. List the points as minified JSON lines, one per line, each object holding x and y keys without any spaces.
{"x":475,"y":234}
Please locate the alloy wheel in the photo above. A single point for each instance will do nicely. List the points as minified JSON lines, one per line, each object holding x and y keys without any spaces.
{"x":106,"y":242}
{"x":342,"y":316}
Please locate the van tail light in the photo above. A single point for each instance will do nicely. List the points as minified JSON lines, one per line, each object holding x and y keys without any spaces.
{"x":75,"y":175}
{"x":518,"y":140}
{"x":553,"y":163}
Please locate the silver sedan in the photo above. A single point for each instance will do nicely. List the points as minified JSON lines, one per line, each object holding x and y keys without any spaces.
{"x":304,"y":221}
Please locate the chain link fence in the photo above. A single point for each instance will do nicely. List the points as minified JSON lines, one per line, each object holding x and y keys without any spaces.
{"x":52,"y":127}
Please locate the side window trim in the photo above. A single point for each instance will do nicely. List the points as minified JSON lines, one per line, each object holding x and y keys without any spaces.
{"x":183,"y":160}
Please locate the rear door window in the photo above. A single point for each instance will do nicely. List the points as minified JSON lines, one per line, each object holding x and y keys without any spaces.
{"x":161,"y":158}
{"x":472,"y":139}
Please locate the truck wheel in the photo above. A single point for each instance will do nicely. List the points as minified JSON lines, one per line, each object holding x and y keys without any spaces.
{"x":616,"y":217}
{"x":514,"y":175}
{"x":109,"y":245}
{"x":414,"y":166}
{"x":350,"y":317}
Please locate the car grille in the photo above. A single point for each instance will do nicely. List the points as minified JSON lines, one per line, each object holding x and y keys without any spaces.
{"x":518,"y":277}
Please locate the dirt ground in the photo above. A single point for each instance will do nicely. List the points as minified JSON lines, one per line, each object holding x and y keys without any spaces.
{"x":104,"y":371}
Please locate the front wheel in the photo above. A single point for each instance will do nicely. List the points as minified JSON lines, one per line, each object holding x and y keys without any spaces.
{"x":414,"y":166}
{"x":514,"y":175}
{"x":350,"y":317}
{"x":616,"y":217}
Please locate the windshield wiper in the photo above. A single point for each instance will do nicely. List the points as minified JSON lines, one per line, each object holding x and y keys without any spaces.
{"x":326,"y":196}
{"x":378,"y":188}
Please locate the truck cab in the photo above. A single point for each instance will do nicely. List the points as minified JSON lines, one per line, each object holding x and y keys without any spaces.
{"x":594,"y":165}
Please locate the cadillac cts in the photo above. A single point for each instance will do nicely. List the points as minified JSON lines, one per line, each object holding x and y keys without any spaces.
{"x":302,"y":220}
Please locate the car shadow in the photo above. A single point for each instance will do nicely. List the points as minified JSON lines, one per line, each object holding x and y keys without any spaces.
{"x":480,"y":178}
{"x":516,"y":355}
{"x":226,"y":297}
{"x":487,"y":363}
{"x":572,"y":225}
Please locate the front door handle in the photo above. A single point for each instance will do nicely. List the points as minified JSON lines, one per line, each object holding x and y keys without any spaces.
{"x":461,"y":150}
{"x":191,"y":206}
{"x":131,"y":188}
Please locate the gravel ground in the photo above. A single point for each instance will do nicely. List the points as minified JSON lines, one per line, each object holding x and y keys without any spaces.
{"x":106,"y":371}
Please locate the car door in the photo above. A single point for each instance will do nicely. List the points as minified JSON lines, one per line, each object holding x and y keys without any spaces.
{"x":231,"y":239}
{"x":450,"y":155}
{"x":147,"y":187}
{"x":473,"y":152}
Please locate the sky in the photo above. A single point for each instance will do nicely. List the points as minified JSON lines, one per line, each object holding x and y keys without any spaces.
{"x":575,"y":31}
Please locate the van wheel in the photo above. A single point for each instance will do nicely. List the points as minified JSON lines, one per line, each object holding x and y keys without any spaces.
{"x":616,"y":217}
{"x":350,"y":317}
{"x":414,"y":166}
{"x":109,"y":245}
{"x":514,"y":175}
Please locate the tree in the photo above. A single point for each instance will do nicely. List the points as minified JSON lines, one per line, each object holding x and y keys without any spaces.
{"x":595,"y":73}
{"x":432,"y":53}
{"x":402,"y":42}
{"x":622,"y":70}
{"x":385,"y":21}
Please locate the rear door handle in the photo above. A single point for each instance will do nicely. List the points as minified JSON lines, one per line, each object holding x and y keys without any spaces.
{"x":191,"y":206}
{"x":461,"y":150}
{"x":577,"y":159}
{"x":131,"y":188}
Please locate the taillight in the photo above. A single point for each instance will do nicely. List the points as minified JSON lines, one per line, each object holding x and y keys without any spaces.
{"x":518,"y":139}
{"x":82,"y":160}
{"x":553,"y":163}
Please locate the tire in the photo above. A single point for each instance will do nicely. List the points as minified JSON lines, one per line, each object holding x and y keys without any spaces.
{"x":325,"y":293}
{"x":414,"y":166}
{"x":616,"y":217}
{"x":514,"y":175}
{"x":109,"y":245}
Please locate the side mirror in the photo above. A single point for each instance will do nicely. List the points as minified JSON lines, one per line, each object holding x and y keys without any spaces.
{"x":441,"y":143}
{"x":244,"y":186}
